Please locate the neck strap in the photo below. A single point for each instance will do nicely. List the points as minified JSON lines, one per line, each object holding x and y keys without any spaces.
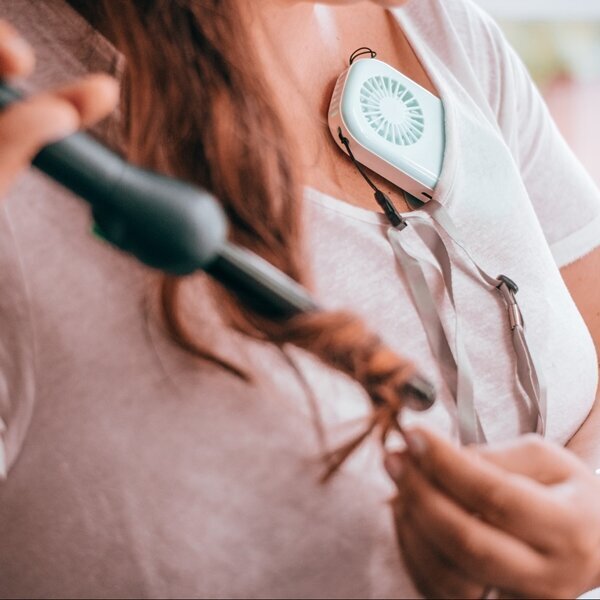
{"x":439,"y":234}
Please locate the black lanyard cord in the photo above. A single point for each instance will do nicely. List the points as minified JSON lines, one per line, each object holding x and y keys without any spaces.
{"x":384,"y":201}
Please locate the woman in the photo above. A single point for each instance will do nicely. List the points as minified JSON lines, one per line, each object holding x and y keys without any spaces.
{"x":138,"y":470}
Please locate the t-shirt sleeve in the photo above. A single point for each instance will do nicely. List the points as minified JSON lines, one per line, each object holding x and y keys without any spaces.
{"x":564,"y":196}
{"x":17,"y":354}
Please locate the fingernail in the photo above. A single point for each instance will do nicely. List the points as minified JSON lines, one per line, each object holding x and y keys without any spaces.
{"x":416,"y":442}
{"x":21,"y":57}
{"x":11,"y":39}
{"x":394,"y":466}
{"x":15,"y":43}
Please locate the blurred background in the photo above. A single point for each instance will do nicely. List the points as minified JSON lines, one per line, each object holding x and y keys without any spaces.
{"x":559,"y":40}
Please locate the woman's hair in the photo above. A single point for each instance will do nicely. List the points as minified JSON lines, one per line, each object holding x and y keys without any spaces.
{"x":196,"y":106}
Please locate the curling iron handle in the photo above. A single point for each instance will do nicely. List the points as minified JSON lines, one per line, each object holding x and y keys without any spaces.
{"x":166,"y":223}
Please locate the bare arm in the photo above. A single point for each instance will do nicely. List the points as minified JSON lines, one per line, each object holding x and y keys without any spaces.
{"x":586,"y":442}
{"x":583,"y":280}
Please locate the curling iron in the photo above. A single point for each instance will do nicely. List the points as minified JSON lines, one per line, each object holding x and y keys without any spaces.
{"x":175,"y":227}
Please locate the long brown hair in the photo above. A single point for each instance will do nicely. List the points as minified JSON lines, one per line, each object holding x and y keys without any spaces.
{"x":196,"y":106}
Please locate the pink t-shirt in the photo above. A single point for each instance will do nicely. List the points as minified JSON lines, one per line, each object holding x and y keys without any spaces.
{"x":136,"y":470}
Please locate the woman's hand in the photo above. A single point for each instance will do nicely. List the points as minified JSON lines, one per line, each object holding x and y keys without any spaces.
{"x":28,"y":126}
{"x":522,"y":517}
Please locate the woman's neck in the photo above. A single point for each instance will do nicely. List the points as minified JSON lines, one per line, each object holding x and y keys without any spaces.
{"x":304,"y":47}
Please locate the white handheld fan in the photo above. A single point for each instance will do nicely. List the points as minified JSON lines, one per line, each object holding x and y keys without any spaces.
{"x":393,"y":126}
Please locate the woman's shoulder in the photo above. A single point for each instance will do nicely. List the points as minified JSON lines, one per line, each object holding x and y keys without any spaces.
{"x":464,"y":20}
{"x":468,"y":46}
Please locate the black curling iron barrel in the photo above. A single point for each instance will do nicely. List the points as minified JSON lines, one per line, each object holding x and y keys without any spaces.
{"x":175,"y":227}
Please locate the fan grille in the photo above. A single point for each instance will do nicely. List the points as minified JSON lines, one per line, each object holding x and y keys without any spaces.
{"x":392,"y":110}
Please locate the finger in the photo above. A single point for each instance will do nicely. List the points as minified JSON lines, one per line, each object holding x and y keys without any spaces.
{"x":93,"y":97}
{"x":512,"y":502}
{"x":545,"y":462}
{"x":47,"y":117}
{"x":27,"y":126}
{"x":433,"y":575}
{"x":483,"y":553}
{"x":394,"y":463}
{"x":16,"y":56}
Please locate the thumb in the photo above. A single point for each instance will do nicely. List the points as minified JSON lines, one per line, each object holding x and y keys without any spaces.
{"x":532,"y":456}
{"x":395,"y":464}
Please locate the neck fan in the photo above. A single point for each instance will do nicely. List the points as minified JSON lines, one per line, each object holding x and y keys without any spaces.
{"x":390,"y":124}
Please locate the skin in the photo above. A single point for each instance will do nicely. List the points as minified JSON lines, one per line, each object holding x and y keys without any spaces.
{"x":292,"y":38}
{"x":523,"y":516}
{"x":47,"y":117}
